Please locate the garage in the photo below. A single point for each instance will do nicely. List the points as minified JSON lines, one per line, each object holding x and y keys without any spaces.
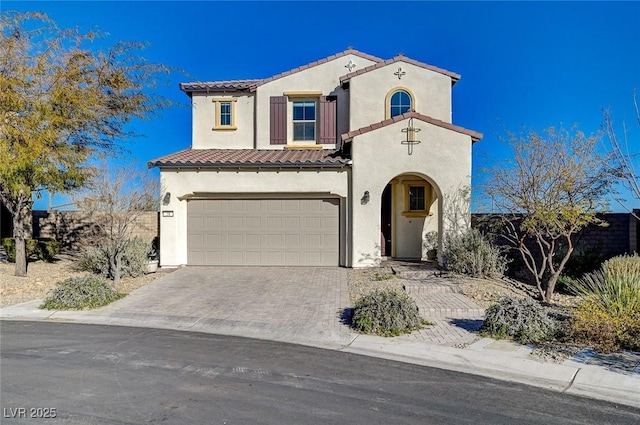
{"x":264,"y":232}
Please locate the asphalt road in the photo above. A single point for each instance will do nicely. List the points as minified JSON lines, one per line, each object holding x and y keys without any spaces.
{"x":85,"y":374}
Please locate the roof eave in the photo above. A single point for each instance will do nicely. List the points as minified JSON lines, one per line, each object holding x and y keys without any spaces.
{"x":152,"y":164}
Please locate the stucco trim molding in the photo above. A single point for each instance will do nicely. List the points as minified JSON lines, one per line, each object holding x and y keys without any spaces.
{"x":258,"y":195}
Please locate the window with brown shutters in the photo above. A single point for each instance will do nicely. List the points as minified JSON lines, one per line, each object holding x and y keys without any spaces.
{"x":327,"y":119}
{"x":278,"y":120}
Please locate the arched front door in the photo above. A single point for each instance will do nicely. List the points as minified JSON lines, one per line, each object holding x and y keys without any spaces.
{"x":408,"y":212}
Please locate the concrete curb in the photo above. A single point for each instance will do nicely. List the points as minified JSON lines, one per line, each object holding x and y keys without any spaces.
{"x":490,"y":364}
{"x":569,"y":377}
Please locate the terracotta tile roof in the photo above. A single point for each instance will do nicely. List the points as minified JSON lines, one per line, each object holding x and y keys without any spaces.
{"x":239,"y":85}
{"x":228,"y":85}
{"x":251,"y":158}
{"x":455,"y":77}
{"x":475,"y":136}
{"x":349,"y":51}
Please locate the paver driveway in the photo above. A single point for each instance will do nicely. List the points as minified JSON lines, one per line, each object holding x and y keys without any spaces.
{"x":283,"y":303}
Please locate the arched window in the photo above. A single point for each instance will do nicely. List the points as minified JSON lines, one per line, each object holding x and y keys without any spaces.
{"x":400,"y":103}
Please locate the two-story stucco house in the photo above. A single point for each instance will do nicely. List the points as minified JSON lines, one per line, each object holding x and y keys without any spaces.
{"x":343,"y":161}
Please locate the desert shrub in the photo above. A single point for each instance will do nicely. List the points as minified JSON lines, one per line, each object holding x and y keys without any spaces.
{"x":472,"y":253}
{"x":82,"y":292}
{"x":386,"y":312}
{"x":624,"y":266}
{"x":383,"y":274}
{"x":134,"y":259}
{"x":47,"y":249}
{"x":594,"y":325}
{"x":609,"y":314}
{"x":522,"y":319}
{"x":44,"y":249}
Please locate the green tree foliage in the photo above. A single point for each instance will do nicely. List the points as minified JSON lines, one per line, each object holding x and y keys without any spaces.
{"x":553,"y":186}
{"x":61,"y":102}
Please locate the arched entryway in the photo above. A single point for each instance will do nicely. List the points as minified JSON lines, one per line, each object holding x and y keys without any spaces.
{"x":409,"y":217}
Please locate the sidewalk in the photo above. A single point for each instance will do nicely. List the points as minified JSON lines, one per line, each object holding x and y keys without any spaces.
{"x":446,"y":345}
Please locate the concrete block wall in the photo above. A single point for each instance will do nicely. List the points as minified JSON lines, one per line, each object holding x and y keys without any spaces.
{"x":75,"y":228}
{"x":618,"y":238}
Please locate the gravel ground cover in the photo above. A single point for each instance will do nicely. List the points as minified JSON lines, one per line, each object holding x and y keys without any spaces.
{"x":42,"y":278}
{"x":483,"y":292}
{"x":364,"y":281}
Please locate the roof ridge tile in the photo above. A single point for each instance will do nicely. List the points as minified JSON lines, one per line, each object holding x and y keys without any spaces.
{"x":454,"y":76}
{"x":475,"y":136}
{"x":249,"y":157}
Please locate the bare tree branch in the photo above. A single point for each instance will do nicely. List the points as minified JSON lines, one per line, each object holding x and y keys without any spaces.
{"x":552,"y":187}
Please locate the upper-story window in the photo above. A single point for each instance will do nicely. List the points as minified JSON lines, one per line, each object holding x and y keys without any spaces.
{"x":304,"y":120}
{"x":398,"y":101}
{"x":225,"y":113}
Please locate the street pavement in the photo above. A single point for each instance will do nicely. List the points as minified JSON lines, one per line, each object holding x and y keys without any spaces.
{"x":91,"y":374}
{"x":308,"y":306}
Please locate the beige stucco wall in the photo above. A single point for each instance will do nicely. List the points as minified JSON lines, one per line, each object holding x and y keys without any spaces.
{"x":204,"y":119}
{"x":236,"y":184}
{"x":368,"y":91}
{"x":324,"y":78}
{"x":443,"y":158}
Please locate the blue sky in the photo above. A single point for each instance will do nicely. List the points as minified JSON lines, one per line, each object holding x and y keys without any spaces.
{"x":537,"y":64}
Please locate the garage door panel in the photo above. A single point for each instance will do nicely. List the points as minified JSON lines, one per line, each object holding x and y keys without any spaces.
{"x":273,"y":223}
{"x":291,"y":257}
{"x":330,"y":240}
{"x":253,"y":240}
{"x":236,"y":239}
{"x":253,"y":222}
{"x":313,"y":222}
{"x":291,"y":223}
{"x":236,"y":222}
{"x":292,"y":241}
{"x":213,"y":240}
{"x":253,"y":257}
{"x":263,"y":232}
{"x":313,"y":240}
{"x":214,"y":256}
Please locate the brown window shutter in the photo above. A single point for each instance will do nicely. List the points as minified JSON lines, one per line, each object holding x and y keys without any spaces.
{"x":327,"y":119}
{"x":278,"y":120}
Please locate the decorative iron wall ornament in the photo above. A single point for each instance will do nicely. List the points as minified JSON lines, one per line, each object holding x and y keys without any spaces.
{"x":399,"y":73}
{"x":410,"y":136}
{"x":350,"y":66}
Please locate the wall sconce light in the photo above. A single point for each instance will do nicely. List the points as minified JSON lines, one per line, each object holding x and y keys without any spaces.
{"x":411,"y":136}
{"x":166,"y":199}
{"x":167,"y":213}
{"x":365,"y":198}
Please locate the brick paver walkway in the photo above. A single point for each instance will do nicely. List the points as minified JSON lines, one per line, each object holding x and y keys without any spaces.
{"x":292,"y":302}
{"x":452,"y":314}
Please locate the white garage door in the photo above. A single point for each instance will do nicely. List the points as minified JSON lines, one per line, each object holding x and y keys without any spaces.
{"x":267,"y":232}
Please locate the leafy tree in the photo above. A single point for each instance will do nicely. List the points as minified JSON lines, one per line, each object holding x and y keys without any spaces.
{"x":61,"y":103}
{"x":552,"y":188}
{"x":625,"y":160}
{"x":116,"y":200}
